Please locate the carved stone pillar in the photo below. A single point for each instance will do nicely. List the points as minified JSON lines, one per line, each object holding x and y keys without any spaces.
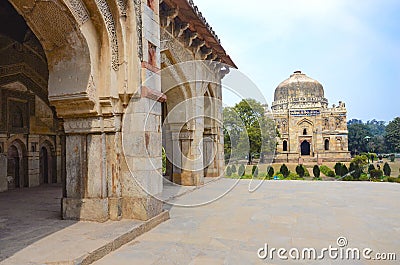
{"x":91,"y":162}
{"x":33,"y":160}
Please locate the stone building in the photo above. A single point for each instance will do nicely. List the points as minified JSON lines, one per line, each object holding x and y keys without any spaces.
{"x":84,"y":88}
{"x":309,"y":130}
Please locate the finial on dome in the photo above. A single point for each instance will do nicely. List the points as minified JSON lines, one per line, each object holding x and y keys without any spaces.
{"x":297,"y":72}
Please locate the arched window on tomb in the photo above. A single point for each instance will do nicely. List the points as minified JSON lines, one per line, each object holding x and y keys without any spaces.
{"x":305,"y":131}
{"x":285,"y":146}
{"x":326,"y":144}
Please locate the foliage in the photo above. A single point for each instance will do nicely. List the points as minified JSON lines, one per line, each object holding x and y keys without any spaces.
{"x":241,"y":170}
{"x":376,"y":174}
{"x":360,"y":160}
{"x":344,"y":171}
{"x":359,"y":130}
{"x":364,"y":177}
{"x":387,"y":170}
{"x":338,"y":168}
{"x":254,"y":171}
{"x":228,"y":171}
{"x":327,"y":171}
{"x":392,"y":135}
{"x":247,"y":131}
{"x":392,"y":157}
{"x":233,"y":169}
{"x":371,"y":167}
{"x":284,"y":170}
{"x":316,"y":171}
{"x":348,"y":178}
{"x":392,"y":179}
{"x":300,"y":170}
{"x":355,"y":170}
{"x":270,"y":171}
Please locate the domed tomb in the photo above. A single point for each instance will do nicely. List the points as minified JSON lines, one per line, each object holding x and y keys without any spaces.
{"x":298,"y":89}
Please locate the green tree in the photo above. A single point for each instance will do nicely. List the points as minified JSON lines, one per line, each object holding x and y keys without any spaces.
{"x":284,"y":171}
{"x":387,"y":170}
{"x":316,"y":171}
{"x":392,"y":136}
{"x":300,"y":171}
{"x":357,"y":133}
{"x":247,"y":130}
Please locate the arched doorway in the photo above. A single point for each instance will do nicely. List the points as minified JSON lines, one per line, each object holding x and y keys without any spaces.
{"x":17,"y":174}
{"x":305,"y":148}
{"x":13,"y":168}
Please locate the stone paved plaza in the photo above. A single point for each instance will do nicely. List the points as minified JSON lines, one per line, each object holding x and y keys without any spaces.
{"x":281,"y":213}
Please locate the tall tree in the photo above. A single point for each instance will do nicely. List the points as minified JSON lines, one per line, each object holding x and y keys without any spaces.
{"x":357,"y":134}
{"x":392,"y":136}
{"x":247,"y":131}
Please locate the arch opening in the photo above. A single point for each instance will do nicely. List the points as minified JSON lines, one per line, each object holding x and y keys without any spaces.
{"x":305,"y":148}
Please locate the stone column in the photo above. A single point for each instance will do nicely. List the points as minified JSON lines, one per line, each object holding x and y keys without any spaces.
{"x":33,"y":160}
{"x":142,"y":179}
{"x":91,"y":158}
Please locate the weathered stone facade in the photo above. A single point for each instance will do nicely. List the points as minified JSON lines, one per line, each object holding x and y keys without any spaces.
{"x":309,"y":130}
{"x":84,"y":95}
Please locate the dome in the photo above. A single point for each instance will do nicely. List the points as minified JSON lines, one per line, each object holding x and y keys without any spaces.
{"x":299,"y":86}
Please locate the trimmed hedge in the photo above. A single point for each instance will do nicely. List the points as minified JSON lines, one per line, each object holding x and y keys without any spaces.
{"x":327,"y":171}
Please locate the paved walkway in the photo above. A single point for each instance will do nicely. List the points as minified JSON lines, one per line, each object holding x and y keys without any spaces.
{"x":283,"y":214}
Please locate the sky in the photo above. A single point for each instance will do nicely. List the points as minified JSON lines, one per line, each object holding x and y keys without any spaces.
{"x":352,"y":47}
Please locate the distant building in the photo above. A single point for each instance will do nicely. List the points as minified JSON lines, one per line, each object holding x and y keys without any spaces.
{"x":309,"y":130}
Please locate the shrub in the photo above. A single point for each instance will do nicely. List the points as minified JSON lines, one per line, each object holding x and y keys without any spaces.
{"x":371,"y":167}
{"x":376,"y":174}
{"x":284,"y":170}
{"x":327,"y":171}
{"x":316,"y":171}
{"x":360,"y":160}
{"x":338,"y":168}
{"x":355,"y":170}
{"x":254,"y":171}
{"x":392,"y":157}
{"x":300,"y":171}
{"x":246,"y":176}
{"x":348,"y":178}
{"x":293,"y":176}
{"x":228,"y":171}
{"x":392,"y":179}
{"x":270,"y":172}
{"x":386,"y":169}
{"x":364,"y":177}
{"x":241,"y":170}
{"x":343,"y":170}
{"x":233,"y":169}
